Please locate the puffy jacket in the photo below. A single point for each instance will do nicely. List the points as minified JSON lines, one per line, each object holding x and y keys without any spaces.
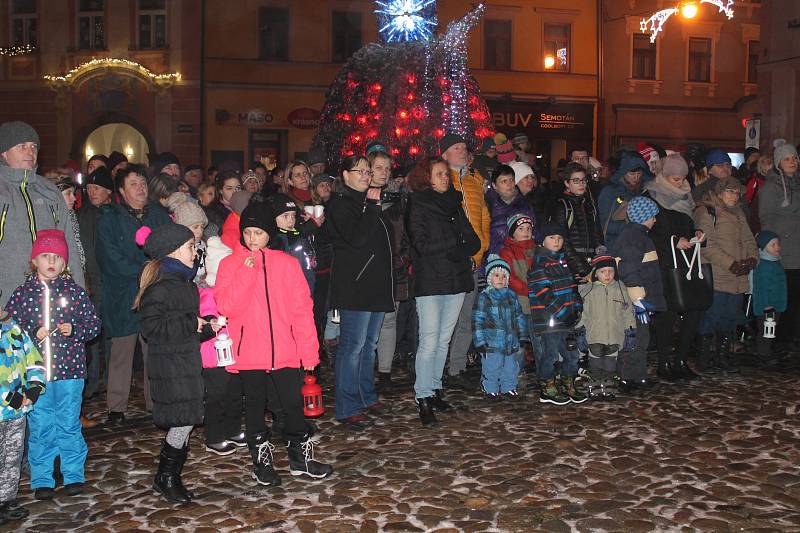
{"x":500,"y":211}
{"x":470,"y":185}
{"x":769,"y":285}
{"x":361,"y":276}
{"x":21,"y":365}
{"x":395,"y":218}
{"x":779,"y":211}
{"x":519,"y":256}
{"x":120,"y":260}
{"x":442,"y":243}
{"x":269,"y":310}
{"x":69,"y":304}
{"x":498,"y":323}
{"x":299,"y":247}
{"x":230,"y":230}
{"x":638,"y":265}
{"x":728,"y":239}
{"x":169,"y":310}
{"x":607,"y":312}
{"x":615,"y":196}
{"x":555,"y":303}
{"x":579,"y":216}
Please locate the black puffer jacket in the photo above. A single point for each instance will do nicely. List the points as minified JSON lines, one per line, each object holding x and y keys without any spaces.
{"x":639,"y":266}
{"x":579,"y":215}
{"x":169,"y":310}
{"x":361,"y":275}
{"x":395,"y":215}
{"x":442,"y":243}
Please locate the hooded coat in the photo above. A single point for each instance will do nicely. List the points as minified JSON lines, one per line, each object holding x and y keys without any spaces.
{"x":779,"y":211}
{"x":519,"y":256}
{"x":500,"y":211}
{"x":615,"y":196}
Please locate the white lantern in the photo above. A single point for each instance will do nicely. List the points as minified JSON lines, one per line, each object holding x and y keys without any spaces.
{"x":769,"y":326}
{"x":224,"y":345}
{"x":335,"y":318}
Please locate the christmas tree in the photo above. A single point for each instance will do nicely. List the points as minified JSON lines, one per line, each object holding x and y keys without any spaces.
{"x":406,"y":93}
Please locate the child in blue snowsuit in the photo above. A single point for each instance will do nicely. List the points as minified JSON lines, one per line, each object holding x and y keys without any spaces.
{"x":55,"y":428}
{"x":499,"y":327}
{"x":768,"y":282}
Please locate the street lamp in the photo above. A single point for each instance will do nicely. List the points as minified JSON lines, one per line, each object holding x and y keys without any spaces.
{"x":689,"y":10}
{"x":549,"y":62}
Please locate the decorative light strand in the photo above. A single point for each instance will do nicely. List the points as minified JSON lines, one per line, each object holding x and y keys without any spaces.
{"x":114,"y":62}
{"x":406,"y":20}
{"x":655,"y":24}
{"x":725,"y":6}
{"x":17,"y":50}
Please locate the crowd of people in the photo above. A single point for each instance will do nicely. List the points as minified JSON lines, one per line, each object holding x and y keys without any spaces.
{"x":465,"y":254}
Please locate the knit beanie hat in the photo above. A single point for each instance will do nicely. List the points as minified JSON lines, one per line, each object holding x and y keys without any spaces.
{"x":64,"y":182}
{"x":641,"y":209}
{"x":115,"y":158}
{"x":377,"y":146}
{"x":717,"y":157}
{"x":520,"y":170}
{"x":99,"y":157}
{"x":604,"y":261}
{"x":257,"y":215}
{"x":505,"y":150}
{"x":50,"y":241}
{"x":750,"y":150}
{"x":647,"y":152}
{"x":216,"y":251}
{"x":553,"y":228}
{"x":519,"y":138}
{"x":764,"y":237}
{"x":517,"y":220}
{"x":250,"y":175}
{"x":101,"y":176}
{"x":728,"y":183}
{"x":493,"y":262}
{"x":240,"y":200}
{"x":159,"y":161}
{"x":449,"y":140}
{"x":487,"y":144}
{"x":319,"y":178}
{"x":782,"y":151}
{"x":186,"y":211}
{"x":16,"y":132}
{"x":163,"y":240}
{"x":280,"y":203}
{"x":675,"y":165}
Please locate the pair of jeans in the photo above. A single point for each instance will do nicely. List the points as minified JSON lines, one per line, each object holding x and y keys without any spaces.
{"x":55,"y":430}
{"x":499,"y":372}
{"x":554,"y":347}
{"x":437,"y":319}
{"x":355,"y":361}
{"x":462,"y":336}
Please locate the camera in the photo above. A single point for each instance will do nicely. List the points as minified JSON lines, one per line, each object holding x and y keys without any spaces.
{"x":390,"y":197}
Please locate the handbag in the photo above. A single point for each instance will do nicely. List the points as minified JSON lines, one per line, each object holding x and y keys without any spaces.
{"x":691,"y":289}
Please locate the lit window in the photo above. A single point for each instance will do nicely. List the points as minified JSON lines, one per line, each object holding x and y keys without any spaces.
{"x":556,"y":46}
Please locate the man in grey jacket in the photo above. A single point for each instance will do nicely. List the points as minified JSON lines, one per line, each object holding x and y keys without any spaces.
{"x":28,"y":203}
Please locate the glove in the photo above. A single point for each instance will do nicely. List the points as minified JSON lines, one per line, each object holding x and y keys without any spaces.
{"x":643,"y":308}
{"x":750,"y":263}
{"x":737,"y":268}
{"x":14,"y":398}
{"x":630,"y":340}
{"x":580,"y":339}
{"x":33,"y":391}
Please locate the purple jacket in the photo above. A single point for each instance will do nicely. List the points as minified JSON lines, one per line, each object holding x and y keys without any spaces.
{"x":500,"y":211}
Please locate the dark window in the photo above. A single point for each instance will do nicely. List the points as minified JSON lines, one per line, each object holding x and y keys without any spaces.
{"x":699,"y":59}
{"x":91,"y":28}
{"x":644,"y":57}
{"x":497,"y":44}
{"x":23,"y":23}
{"x":556,"y":46}
{"x":752,"y":61}
{"x":346,"y":31}
{"x":152,"y":24}
{"x":273,"y":33}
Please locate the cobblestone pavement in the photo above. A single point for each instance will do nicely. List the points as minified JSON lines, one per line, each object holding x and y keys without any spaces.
{"x":720,"y":455}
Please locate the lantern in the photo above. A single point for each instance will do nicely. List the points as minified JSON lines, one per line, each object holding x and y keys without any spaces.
{"x":224,"y":345}
{"x":769,"y":326}
{"x":312,"y":397}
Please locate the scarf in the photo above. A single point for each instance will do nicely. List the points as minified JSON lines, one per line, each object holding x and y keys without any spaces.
{"x":670,"y":197}
{"x":170,"y":265}
{"x":138,"y":214}
{"x":300,"y":194}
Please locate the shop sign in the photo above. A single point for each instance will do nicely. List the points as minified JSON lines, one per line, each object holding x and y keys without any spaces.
{"x":544,"y":120}
{"x":254,"y":117}
{"x":304,"y":118}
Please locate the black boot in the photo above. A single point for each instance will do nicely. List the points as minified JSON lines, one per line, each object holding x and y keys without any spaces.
{"x":704,"y":353}
{"x":439,"y":402}
{"x":301,"y":459}
{"x":182,"y":461}
{"x":168,"y":477}
{"x":261,"y":451}
{"x":726,"y":353}
{"x":683,"y":370}
{"x":426,"y":415}
{"x":384,"y":381}
{"x":666,"y":371}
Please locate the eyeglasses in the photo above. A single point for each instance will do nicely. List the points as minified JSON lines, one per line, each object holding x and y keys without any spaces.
{"x":577,"y":181}
{"x":361,"y":171}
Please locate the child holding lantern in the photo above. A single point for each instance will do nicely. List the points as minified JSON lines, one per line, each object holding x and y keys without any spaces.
{"x":57,"y":312}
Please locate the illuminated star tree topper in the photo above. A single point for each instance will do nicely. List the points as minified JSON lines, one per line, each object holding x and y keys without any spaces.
{"x":406,"y":20}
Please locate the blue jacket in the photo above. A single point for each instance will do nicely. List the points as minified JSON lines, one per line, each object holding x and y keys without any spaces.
{"x":498,"y":323}
{"x":638,"y":265}
{"x":20,"y":366}
{"x":769,"y":285}
{"x":615,"y":193}
{"x":500,"y":211}
{"x":553,"y":293}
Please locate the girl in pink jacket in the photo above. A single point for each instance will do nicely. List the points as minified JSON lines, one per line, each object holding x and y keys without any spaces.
{"x":270,"y":317}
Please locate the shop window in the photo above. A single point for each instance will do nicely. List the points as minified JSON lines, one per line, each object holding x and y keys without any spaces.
{"x":24,"y":22}
{"x":152,"y":24}
{"x":644,"y":58}
{"x":273,"y":33}
{"x":699,"y":60}
{"x":91,"y":25}
{"x":752,"y":61}
{"x":346,"y":31}
{"x":556,"y":46}
{"x":497,"y":44}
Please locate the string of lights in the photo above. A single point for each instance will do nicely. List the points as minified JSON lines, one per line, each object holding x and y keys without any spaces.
{"x":17,"y":50}
{"x":688,"y":8}
{"x":114,"y":62}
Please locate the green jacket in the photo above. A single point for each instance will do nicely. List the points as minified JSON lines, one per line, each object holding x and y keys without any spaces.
{"x":607,"y":312}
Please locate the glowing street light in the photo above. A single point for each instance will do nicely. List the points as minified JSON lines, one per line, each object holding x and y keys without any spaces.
{"x":689,"y":10}
{"x":549,"y":62}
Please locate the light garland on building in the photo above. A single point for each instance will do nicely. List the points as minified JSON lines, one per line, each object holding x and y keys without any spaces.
{"x":655,"y":24}
{"x":114,"y":62}
{"x":17,"y":50}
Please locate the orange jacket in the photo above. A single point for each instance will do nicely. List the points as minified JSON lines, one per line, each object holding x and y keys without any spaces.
{"x":471,"y":186}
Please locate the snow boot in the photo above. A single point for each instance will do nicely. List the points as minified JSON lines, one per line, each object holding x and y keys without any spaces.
{"x":261,"y":451}
{"x":168,"y":478}
{"x":301,"y":459}
{"x":426,"y":415}
{"x":568,"y":386}
{"x":549,"y":393}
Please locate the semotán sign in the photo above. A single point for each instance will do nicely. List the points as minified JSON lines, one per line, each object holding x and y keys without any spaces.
{"x":544,"y":120}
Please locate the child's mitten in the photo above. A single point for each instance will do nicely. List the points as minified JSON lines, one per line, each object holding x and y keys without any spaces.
{"x":33,"y":391}
{"x":14,"y":398}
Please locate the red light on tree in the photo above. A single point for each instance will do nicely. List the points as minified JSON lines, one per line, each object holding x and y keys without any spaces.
{"x":410,"y":97}
{"x":398,"y":131}
{"x":361,"y":119}
{"x":403,"y":114}
{"x":351,"y":84}
{"x":346,"y":117}
{"x":446,"y":98}
{"x":439,"y":132}
{"x":415,"y":131}
{"x":376,"y":87}
{"x":356,"y":138}
{"x":371,"y":134}
{"x":373,"y":102}
{"x":413,"y":150}
{"x":411,"y":79}
{"x":418,"y":113}
{"x":395,"y":152}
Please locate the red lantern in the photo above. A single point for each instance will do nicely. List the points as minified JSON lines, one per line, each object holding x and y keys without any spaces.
{"x":312,"y":397}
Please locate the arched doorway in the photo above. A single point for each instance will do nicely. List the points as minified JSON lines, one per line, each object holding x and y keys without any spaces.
{"x":116,"y":136}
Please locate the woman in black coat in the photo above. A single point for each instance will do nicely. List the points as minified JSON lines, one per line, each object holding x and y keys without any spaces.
{"x":442,"y":244}
{"x":168,"y":303}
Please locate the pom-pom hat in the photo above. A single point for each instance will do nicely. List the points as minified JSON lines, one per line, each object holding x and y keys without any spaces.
{"x":162,"y":241}
{"x":517,"y":220}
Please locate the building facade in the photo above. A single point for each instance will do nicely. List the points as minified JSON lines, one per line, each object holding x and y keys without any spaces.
{"x":99,"y":75}
{"x":697,"y":83}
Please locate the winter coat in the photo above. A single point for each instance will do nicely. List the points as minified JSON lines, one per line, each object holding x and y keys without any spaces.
{"x":669,"y":223}
{"x":470,"y":185}
{"x":769,"y":285}
{"x":607,"y":312}
{"x":519,"y":256}
{"x":321,"y":241}
{"x":361,"y":276}
{"x":554,"y":299}
{"x":728,"y":239}
{"x":638,"y":265}
{"x":442,"y":243}
{"x":120,"y":260}
{"x":780,"y":213}
{"x":208,"y":308}
{"x":230,"y":230}
{"x":537,"y":200}
{"x":88,"y":220}
{"x":69,"y":304}
{"x":169,"y":310}
{"x":394,"y":216}
{"x":21,"y":365}
{"x":579,"y":216}
{"x":500,"y":211}
{"x":269,"y":310}
{"x":615,"y":196}
{"x":498,"y":324}
{"x":752,"y":188}
{"x":28,"y":203}
{"x":299,"y":247}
